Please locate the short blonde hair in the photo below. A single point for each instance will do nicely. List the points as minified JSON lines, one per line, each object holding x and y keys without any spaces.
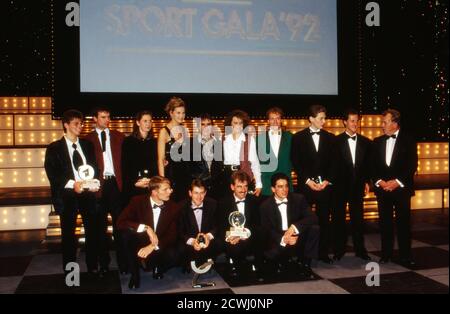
{"x":156,"y":182}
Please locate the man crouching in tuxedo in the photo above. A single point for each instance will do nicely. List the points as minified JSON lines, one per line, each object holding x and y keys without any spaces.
{"x":291,"y":227}
{"x":197,"y":226}
{"x":149,"y":229}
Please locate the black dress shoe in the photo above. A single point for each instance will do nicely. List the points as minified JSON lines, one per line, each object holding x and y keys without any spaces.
{"x":307,"y":271}
{"x":103,"y":272}
{"x":338,"y":256}
{"x":233,"y":272}
{"x":384,"y":260}
{"x":134,"y":282}
{"x":407,"y":262}
{"x":157,"y":273}
{"x":326,"y":260}
{"x":364,"y":256}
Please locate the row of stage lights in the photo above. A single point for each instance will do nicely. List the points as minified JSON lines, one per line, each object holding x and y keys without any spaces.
{"x":24,"y":217}
{"x":18,"y":104}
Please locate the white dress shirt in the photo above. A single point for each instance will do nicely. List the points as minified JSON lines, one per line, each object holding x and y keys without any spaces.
{"x":316,"y":138}
{"x":240,"y":206}
{"x":352,"y":145}
{"x":284,"y":219}
{"x":69,"y":143}
{"x":390,"y":145}
{"x":108,"y":167}
{"x":156,"y":213}
{"x":275,"y":140}
{"x":232,"y":155}
{"x":198,"y":213}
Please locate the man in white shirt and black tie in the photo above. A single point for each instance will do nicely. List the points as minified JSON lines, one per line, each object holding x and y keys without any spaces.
{"x":352,"y":183}
{"x":108,"y":152}
{"x":394,"y":163}
{"x":62,"y":161}
{"x":313,"y":156}
{"x":291,"y":226}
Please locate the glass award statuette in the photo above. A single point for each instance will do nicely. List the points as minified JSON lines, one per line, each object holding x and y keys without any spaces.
{"x":237,"y":229}
{"x":201,"y":240}
{"x":86,"y":173}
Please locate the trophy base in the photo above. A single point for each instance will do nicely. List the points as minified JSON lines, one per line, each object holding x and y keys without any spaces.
{"x":91,"y":184}
{"x":204,"y":285}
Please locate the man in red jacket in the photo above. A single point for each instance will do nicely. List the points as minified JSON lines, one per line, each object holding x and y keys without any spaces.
{"x":149,"y":229}
{"x":108,"y":153}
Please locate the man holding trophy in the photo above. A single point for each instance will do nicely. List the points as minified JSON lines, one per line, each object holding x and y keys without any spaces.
{"x":291,"y":226}
{"x":72,"y":170}
{"x":197,"y":226}
{"x":240,"y":225}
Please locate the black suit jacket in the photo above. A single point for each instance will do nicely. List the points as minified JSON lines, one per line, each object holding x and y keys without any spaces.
{"x":58,"y":167}
{"x":349,"y":176}
{"x":188,"y":225}
{"x":228,"y":205}
{"x":309,"y":163}
{"x":298,"y":213}
{"x":403,"y":163}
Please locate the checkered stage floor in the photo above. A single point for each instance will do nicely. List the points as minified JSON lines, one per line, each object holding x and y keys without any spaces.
{"x":29,"y":266}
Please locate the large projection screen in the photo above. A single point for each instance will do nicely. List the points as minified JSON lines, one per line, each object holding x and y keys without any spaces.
{"x":283,"y":47}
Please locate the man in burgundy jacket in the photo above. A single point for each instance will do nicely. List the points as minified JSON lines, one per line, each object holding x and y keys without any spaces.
{"x":108,"y":153}
{"x":149,"y":229}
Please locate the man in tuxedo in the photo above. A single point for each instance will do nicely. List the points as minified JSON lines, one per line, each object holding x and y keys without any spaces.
{"x":238,"y":249}
{"x":291,"y":225}
{"x":69,"y":198}
{"x":352,"y":183}
{"x":276,"y":156}
{"x":197,"y":226}
{"x":149,"y":230}
{"x":108,"y":153}
{"x":394,"y":164}
{"x":206,"y":161}
{"x":313,"y":156}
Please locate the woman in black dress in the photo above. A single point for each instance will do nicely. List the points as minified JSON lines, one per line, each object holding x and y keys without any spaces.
{"x":173,"y":152}
{"x":139,"y":155}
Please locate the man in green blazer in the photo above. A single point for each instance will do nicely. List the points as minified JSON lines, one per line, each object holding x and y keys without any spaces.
{"x":274,"y":150}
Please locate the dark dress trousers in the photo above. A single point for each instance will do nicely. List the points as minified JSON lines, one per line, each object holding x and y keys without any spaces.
{"x":69,"y":204}
{"x":299,"y":214}
{"x":111,"y":197}
{"x":351,"y":179}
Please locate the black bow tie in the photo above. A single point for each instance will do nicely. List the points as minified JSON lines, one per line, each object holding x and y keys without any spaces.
{"x":281,"y":203}
{"x":237,"y":202}
{"x":200,"y":208}
{"x":159,"y":206}
{"x":352,"y":137}
{"x":312,"y":132}
{"x":392,"y":136}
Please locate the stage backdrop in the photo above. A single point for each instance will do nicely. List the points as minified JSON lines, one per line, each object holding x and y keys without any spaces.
{"x":216,"y":54}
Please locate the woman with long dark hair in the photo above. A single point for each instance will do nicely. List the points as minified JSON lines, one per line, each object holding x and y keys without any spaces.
{"x":139,"y":156}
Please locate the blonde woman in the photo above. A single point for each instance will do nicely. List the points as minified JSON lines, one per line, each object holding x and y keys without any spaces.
{"x":173,"y":152}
